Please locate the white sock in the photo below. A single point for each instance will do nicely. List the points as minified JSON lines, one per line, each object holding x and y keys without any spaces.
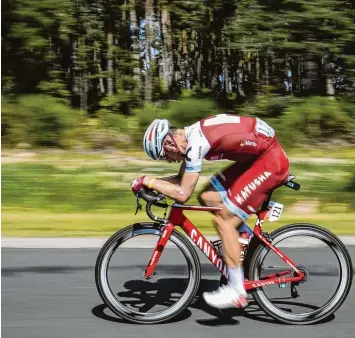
{"x":236,"y":278}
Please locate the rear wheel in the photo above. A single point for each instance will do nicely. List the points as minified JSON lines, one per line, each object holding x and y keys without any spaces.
{"x":326,"y":256}
{"x":119,"y":274}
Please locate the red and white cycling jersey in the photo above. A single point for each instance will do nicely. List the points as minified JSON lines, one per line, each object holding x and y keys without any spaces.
{"x":224,"y":136}
{"x":260,"y":165}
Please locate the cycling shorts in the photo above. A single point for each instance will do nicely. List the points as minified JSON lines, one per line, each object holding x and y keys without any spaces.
{"x":243,"y":187}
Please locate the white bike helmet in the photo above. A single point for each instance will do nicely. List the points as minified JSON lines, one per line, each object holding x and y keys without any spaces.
{"x":154,"y":137}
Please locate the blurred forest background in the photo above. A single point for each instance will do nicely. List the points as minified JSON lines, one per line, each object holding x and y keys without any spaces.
{"x":81,"y":79}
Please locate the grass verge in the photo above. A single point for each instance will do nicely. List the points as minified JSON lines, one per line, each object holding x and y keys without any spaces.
{"x":41,"y":224}
{"x":67,"y":194}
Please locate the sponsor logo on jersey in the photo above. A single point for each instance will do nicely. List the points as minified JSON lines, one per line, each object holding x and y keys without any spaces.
{"x":187,"y":153}
{"x":199,"y":152}
{"x":248,"y":143}
{"x":250,"y":187}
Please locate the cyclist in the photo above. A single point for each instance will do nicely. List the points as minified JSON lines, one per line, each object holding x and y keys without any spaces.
{"x":260,"y":165}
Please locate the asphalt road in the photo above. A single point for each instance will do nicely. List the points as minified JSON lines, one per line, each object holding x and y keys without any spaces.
{"x":51,"y":293}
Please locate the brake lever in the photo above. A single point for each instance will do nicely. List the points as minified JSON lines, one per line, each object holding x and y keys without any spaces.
{"x":139,"y":206}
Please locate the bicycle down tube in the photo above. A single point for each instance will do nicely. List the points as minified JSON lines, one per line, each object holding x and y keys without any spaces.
{"x":177,"y":217}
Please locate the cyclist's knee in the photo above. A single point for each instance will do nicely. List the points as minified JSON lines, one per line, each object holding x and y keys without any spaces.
{"x":224,"y":219}
{"x":201,"y":199}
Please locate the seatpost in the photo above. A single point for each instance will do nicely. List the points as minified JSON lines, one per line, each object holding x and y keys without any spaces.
{"x":266,"y":202}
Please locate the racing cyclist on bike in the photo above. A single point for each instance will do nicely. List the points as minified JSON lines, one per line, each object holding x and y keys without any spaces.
{"x":260,"y":165}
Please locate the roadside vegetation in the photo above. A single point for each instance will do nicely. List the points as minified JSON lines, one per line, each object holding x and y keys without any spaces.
{"x":61,"y":193}
{"x":81,"y":80}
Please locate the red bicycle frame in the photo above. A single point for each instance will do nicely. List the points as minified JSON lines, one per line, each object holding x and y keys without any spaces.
{"x":177,"y":218}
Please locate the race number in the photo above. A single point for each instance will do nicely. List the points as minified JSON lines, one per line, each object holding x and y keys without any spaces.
{"x":275,"y":212}
{"x":220,"y":119}
{"x":263,"y":128}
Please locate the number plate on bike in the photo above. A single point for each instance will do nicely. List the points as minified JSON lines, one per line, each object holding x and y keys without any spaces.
{"x":275,"y":212}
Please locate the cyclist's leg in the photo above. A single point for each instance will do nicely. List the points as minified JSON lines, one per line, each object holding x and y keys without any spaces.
{"x":243,"y":193}
{"x":226,"y":222}
{"x":241,"y":196}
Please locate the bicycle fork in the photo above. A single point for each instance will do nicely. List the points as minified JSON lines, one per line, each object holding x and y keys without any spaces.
{"x":167,"y":231}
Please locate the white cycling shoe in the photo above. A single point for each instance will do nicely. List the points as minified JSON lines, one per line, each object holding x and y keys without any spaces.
{"x":226,"y":297}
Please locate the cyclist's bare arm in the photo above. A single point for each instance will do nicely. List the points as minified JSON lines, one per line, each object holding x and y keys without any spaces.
{"x":180,"y":193}
{"x":175,"y":179}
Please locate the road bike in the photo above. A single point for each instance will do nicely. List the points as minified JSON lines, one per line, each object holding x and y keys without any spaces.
{"x":260,"y":274}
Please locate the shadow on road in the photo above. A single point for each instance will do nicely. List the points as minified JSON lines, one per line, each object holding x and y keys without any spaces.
{"x":143,"y":296}
{"x":99,"y":311}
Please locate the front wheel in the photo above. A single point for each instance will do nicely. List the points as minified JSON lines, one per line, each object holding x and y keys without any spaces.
{"x":119,"y":274}
{"x":327,"y":266}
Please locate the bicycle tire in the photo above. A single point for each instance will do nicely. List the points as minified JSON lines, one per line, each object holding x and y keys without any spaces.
{"x":110,"y":247}
{"x":332,"y":304}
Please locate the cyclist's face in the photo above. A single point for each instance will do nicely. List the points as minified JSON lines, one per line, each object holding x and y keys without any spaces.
{"x":172,"y":156}
{"x":172,"y":152}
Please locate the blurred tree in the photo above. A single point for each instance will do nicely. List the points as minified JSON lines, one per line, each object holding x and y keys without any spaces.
{"x":95,"y":54}
{"x":312,"y":33}
{"x":36,"y":45}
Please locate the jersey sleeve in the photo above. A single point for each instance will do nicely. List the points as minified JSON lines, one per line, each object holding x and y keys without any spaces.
{"x":197,"y":148}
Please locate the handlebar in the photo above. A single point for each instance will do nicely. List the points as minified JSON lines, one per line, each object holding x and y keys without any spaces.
{"x":152,"y":198}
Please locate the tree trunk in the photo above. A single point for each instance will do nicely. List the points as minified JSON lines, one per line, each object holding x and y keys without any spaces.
{"x":329,"y":70}
{"x":109,"y":61}
{"x":225,"y":73}
{"x":214,"y":62}
{"x":199,"y":70}
{"x":273,"y":75}
{"x":330,"y":87}
{"x":266,"y":70}
{"x":311,"y":81}
{"x":98,"y":65}
{"x":257,"y":73}
{"x":168,"y":65}
{"x":178,"y":66}
{"x":299,"y":74}
{"x":83,"y":82}
{"x":183,"y":60}
{"x":226,"y":54}
{"x":135,"y":43}
{"x":198,"y":60}
{"x":84,"y":92}
{"x":240,"y":78}
{"x":149,"y":13}
{"x":75,"y":66}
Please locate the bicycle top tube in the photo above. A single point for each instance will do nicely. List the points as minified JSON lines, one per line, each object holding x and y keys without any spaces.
{"x":195,"y":207}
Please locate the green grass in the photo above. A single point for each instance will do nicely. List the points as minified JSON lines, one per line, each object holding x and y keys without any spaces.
{"x":344,"y":152}
{"x":66,"y":194}
{"x":41,"y":224}
{"x":106,"y":187}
